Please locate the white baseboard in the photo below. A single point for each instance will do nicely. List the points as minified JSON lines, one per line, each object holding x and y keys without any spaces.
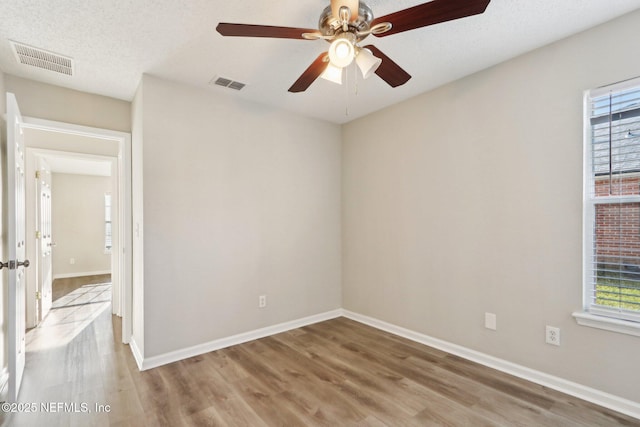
{"x":589,"y":394}
{"x":174,"y":356}
{"x":88,"y":273}
{"x":137,"y":354}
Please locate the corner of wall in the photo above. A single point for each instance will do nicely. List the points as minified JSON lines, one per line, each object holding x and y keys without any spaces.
{"x":137,"y":326}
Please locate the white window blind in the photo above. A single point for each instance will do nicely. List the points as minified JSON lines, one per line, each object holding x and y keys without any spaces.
{"x":612,"y":202}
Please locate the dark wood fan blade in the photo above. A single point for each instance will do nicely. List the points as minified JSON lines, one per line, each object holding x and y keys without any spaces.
{"x":248,"y":30}
{"x":310,"y":74}
{"x":388,"y":70}
{"x":434,"y":12}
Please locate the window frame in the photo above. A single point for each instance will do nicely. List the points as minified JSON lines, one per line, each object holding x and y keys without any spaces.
{"x":593,"y":315}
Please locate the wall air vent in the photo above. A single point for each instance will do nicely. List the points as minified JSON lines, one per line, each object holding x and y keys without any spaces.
{"x":228,"y":83}
{"x":40,"y":58}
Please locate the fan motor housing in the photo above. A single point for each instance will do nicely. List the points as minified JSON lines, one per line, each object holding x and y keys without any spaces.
{"x":330,"y":26}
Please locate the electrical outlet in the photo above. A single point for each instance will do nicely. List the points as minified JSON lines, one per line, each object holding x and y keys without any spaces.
{"x":490,"y":321}
{"x":262,"y":301}
{"x":552,"y":335}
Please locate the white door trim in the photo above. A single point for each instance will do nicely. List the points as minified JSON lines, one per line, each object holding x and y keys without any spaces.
{"x":16,"y":246}
{"x":33,"y":284}
{"x":125,"y":205}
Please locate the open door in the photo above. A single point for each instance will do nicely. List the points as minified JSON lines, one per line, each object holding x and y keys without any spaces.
{"x":16,"y":245}
{"x":43,"y":233}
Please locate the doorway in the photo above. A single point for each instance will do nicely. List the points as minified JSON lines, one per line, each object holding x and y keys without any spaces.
{"x":71,"y":199}
{"x":95,"y":149}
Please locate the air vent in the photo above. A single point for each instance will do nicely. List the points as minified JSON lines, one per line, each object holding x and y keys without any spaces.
{"x":231,"y":84}
{"x":40,"y":58}
{"x":236,"y":85}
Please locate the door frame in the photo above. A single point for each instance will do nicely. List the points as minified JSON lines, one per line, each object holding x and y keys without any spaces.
{"x":43,"y":240}
{"x":124,"y":214}
{"x":33,"y":155}
{"x":16,"y":253}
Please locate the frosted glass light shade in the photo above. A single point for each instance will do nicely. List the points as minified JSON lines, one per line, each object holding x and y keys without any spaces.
{"x":332,"y":73}
{"x":367,"y":62}
{"x":341,"y":52}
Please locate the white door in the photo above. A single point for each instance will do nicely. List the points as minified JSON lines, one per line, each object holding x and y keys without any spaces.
{"x":16,"y":244}
{"x":43,"y":189}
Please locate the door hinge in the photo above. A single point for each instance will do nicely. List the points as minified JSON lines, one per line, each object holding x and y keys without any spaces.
{"x":37,"y":174}
{"x":38,"y":235}
{"x":38,"y":295}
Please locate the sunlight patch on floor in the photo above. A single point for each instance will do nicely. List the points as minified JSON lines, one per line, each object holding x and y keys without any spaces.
{"x":69,"y":315}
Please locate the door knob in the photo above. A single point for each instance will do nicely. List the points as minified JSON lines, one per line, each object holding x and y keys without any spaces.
{"x":11,"y":265}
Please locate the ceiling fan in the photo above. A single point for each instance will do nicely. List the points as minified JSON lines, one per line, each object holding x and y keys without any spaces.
{"x":345,"y":23}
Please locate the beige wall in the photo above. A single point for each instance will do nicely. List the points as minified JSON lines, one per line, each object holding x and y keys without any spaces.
{"x":44,"y":101}
{"x":239,"y":201}
{"x":468,"y":199}
{"x":78,"y":224}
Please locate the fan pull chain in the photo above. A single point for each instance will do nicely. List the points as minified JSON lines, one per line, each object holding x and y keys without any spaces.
{"x":346,"y":94}
{"x":355,"y":79}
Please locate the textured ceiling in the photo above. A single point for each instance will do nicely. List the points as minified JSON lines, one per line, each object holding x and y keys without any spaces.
{"x":114,"y":42}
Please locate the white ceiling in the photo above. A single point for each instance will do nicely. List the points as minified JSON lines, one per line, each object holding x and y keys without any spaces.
{"x":113,"y":43}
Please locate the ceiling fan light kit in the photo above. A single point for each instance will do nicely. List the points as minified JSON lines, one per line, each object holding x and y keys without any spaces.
{"x":367,"y":62}
{"x":345,"y":23}
{"x":332,"y":74}
{"x":341,"y":51}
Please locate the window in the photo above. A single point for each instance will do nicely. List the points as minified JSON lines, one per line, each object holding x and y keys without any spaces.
{"x":107,"y":223}
{"x":612,"y":203}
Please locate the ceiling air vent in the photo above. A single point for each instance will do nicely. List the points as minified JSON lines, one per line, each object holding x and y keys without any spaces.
{"x":231,"y":84}
{"x":40,"y":58}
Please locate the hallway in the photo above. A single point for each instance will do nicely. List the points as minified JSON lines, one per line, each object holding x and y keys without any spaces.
{"x":75,"y":358}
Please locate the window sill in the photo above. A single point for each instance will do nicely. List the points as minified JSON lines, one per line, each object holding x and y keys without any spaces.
{"x":616,"y":325}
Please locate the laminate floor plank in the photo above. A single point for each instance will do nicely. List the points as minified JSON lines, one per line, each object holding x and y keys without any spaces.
{"x":379,"y":382}
{"x":587,"y":413}
{"x":333,"y":373}
{"x":312,"y":385}
{"x":516,"y":393}
{"x":229,"y":370}
{"x":343,"y":391}
{"x":264,"y":405}
{"x":439,"y":412}
{"x":380,"y":379}
{"x":237,"y":412}
{"x":208,"y":381}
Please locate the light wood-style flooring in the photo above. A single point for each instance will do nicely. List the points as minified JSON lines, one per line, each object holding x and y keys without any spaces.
{"x":334,"y":373}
